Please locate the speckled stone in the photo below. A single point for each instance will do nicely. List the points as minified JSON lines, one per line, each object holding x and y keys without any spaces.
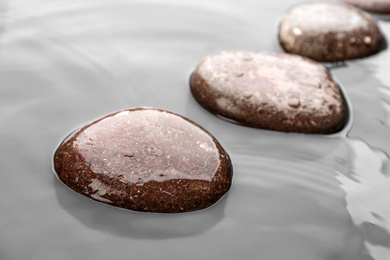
{"x":375,"y":6}
{"x":147,"y":160}
{"x":329,"y":32}
{"x":275,"y":91}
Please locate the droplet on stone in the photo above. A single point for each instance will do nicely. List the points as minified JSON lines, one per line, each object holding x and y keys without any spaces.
{"x":367,"y":40}
{"x":281,"y":92}
{"x":247,"y":58}
{"x":329,"y":32}
{"x":297,"y":31}
{"x":294,"y":102}
{"x":147,"y":160}
{"x":375,"y":6}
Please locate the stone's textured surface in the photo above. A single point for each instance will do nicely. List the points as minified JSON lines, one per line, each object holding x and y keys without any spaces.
{"x":282,"y":92}
{"x":145,"y":160}
{"x":376,"y":6}
{"x":329,"y":32}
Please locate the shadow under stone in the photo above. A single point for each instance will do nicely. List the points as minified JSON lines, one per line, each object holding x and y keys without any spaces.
{"x":127,"y":223}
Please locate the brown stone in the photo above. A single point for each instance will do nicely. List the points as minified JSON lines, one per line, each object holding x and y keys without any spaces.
{"x":282,"y":92}
{"x":145,"y":159}
{"x":375,"y":6}
{"x":329,"y":32}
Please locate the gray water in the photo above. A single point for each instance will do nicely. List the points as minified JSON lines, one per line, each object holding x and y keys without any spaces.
{"x":65,"y":63}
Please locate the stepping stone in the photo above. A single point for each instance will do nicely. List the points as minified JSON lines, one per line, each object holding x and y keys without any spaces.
{"x":329,"y":32}
{"x":375,"y":6}
{"x":147,"y":160}
{"x":274,"y":91}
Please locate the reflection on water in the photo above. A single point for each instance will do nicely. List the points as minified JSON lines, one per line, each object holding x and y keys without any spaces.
{"x":122,"y":223}
{"x":364,"y":182}
{"x":65,"y":63}
{"x":369,"y":97}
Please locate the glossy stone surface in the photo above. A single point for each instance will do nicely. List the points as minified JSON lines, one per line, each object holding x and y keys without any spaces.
{"x":145,"y":160}
{"x":375,"y":6}
{"x":282,"y":92}
{"x":329,"y":32}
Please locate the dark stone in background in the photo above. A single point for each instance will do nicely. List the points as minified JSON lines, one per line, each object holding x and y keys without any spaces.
{"x":329,"y":32}
{"x":375,"y":6}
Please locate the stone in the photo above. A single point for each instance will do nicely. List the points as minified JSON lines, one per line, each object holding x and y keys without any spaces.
{"x":145,"y":159}
{"x":375,"y":6}
{"x":329,"y":32}
{"x":274,"y":91}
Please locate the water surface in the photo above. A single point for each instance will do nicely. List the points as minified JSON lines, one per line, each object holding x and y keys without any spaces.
{"x":65,"y":63}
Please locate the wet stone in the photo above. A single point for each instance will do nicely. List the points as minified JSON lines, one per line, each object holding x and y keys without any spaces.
{"x":375,"y":6}
{"x":274,"y":91}
{"x":147,"y":160}
{"x":329,"y":32}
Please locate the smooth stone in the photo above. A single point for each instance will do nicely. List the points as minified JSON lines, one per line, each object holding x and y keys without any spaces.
{"x":375,"y":6}
{"x":147,"y":160}
{"x":329,"y":32}
{"x":274,"y":91}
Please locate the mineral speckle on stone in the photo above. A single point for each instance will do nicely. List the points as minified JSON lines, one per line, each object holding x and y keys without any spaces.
{"x":147,"y":160}
{"x":282,"y":92}
{"x":329,"y":32}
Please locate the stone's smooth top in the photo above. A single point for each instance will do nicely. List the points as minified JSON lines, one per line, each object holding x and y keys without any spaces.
{"x":282,"y":92}
{"x":375,"y":6}
{"x":329,"y":32}
{"x":145,"y":160}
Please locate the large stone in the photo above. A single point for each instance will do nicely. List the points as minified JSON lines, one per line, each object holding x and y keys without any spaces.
{"x":375,"y":6}
{"x":329,"y":32}
{"x":282,"y":92}
{"x":145,"y":160}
